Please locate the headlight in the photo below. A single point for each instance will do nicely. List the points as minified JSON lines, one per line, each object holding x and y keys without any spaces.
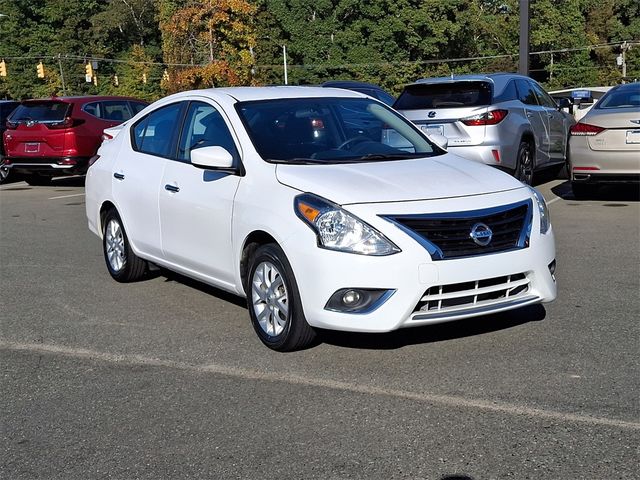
{"x":545,"y":221}
{"x":337,"y":229}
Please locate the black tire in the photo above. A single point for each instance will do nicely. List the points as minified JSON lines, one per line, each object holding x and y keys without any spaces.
{"x":525,"y":163}
{"x":289,"y":330}
{"x":124,"y":266}
{"x":4,"y":173}
{"x":37,"y":180}
{"x":583,"y":191}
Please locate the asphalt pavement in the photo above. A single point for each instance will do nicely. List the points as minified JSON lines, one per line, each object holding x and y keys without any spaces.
{"x":165,"y":378}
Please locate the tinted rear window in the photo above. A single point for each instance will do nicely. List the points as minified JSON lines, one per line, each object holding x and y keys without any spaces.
{"x":40,"y":112}
{"x":444,"y":95}
{"x":627,"y":96}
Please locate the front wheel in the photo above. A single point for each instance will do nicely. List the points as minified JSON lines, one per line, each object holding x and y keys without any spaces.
{"x":524,"y":163}
{"x":122,"y":263}
{"x":274,"y":302}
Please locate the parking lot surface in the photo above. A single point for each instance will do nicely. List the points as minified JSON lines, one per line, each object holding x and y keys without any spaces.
{"x":165,"y":378}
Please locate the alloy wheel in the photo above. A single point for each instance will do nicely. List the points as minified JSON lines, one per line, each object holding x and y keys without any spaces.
{"x":525,"y":167}
{"x":270,"y":301}
{"x":115,"y":247}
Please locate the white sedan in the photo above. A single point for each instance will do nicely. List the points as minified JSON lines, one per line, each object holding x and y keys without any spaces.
{"x":324,"y":207}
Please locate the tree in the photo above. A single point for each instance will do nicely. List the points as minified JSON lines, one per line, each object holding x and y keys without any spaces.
{"x":212,"y":40}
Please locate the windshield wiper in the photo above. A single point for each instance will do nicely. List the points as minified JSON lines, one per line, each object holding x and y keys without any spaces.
{"x":388,"y":156}
{"x":299,"y":161}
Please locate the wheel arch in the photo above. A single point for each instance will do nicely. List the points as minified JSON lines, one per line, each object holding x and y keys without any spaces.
{"x":255,"y":239}
{"x":104,"y":209}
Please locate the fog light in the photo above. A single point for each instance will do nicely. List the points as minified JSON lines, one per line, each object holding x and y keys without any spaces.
{"x":357,"y":300}
{"x":350,"y":298}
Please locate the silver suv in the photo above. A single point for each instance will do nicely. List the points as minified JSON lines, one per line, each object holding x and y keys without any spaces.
{"x":504,"y":120}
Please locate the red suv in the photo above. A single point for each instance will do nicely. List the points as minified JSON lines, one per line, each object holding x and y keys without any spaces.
{"x":58,"y":136}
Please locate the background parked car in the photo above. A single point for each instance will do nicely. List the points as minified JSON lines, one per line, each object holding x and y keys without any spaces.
{"x":502,"y":119}
{"x":58,"y":136}
{"x":605,"y":145}
{"x":367,"y":88}
{"x":6,"y":107}
{"x":582,"y":99}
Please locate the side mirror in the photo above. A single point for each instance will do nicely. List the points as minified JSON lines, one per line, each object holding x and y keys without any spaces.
{"x":440,"y":140}
{"x":563,"y":103}
{"x":212,"y":157}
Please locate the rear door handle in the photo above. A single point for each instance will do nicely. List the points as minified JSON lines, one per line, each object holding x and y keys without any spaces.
{"x":119,"y":176}
{"x":172,"y":188}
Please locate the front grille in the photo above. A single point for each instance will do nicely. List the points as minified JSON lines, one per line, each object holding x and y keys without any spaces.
{"x":443,"y":298}
{"x":448,"y":235}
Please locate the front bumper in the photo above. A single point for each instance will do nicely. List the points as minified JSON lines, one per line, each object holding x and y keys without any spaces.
{"x":425,"y":291}
{"x":48,"y":166}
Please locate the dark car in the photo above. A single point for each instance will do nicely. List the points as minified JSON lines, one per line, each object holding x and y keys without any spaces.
{"x":6,"y":107}
{"x":367,"y":88}
{"x":58,"y":136}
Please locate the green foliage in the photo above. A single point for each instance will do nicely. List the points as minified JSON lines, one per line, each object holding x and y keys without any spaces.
{"x":389,"y":42}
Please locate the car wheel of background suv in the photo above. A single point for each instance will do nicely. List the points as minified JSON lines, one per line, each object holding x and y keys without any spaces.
{"x":4,"y":173}
{"x":274,"y":301}
{"x":123,"y":265}
{"x":524,"y":163}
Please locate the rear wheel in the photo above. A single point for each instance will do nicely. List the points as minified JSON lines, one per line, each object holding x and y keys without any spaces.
{"x":4,"y":173}
{"x":274,"y":301}
{"x":123,"y":264}
{"x":525,"y":163}
{"x":38,"y":180}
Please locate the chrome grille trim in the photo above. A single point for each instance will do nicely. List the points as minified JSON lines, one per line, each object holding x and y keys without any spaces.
{"x":478,"y":293}
{"x":512,"y":225}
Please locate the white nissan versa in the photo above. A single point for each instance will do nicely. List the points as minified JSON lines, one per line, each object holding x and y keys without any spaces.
{"x":324,"y":207}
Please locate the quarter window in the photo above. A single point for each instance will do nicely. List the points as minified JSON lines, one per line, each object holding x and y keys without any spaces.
{"x":155,"y":134}
{"x":204,"y":127}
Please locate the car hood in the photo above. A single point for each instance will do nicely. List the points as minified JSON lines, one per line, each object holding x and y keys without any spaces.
{"x":445,"y":176}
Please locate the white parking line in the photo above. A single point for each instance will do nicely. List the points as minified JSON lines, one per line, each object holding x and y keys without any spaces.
{"x":246,"y":374}
{"x":67,"y":196}
{"x":554,"y":200}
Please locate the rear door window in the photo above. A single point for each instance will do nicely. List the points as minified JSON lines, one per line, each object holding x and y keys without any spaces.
{"x":526,"y":93}
{"x":138,"y":107}
{"x":156,"y":133}
{"x":111,"y":110}
{"x":444,"y":95}
{"x":41,"y":112}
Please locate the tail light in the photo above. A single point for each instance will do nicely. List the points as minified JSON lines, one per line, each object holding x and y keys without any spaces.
{"x":490,"y":118}
{"x":68,"y":122}
{"x":584,"y":129}
{"x":106,"y":136}
{"x":93,"y":159}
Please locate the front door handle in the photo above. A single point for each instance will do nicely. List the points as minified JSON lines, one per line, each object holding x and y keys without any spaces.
{"x":172,"y":188}
{"x":119,"y":176}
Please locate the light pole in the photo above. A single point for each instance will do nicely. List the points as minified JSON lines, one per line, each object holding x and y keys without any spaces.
{"x":523,"y":58}
{"x":284,"y":55}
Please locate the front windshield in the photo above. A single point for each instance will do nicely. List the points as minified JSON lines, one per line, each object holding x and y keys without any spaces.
{"x":331,"y":130}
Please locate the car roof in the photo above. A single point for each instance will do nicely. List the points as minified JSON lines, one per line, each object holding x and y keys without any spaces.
{"x":491,"y":77}
{"x":246,"y":94}
{"x":350,"y":84}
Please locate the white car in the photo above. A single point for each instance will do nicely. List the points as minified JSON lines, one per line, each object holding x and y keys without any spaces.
{"x":296,"y":198}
